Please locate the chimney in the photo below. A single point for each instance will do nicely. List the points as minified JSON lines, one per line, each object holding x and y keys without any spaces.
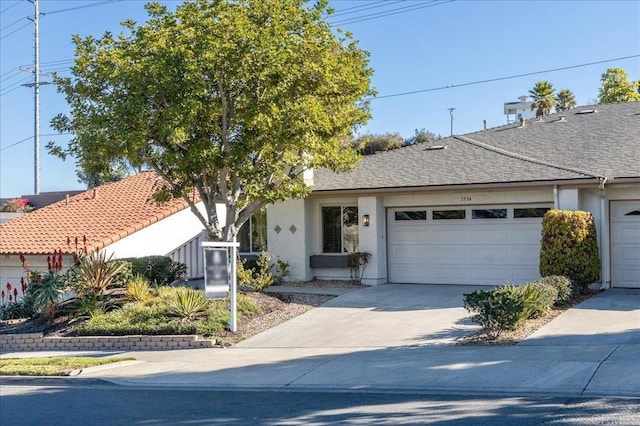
{"x":484,"y":124}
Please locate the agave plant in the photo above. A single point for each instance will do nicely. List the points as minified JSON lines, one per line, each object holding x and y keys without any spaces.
{"x":187,"y":303}
{"x":95,"y":273}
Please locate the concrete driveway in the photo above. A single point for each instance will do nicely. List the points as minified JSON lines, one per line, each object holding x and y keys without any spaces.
{"x":390,"y":315}
{"x":611,"y":317}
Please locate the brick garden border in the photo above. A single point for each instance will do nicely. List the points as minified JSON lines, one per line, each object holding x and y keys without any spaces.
{"x":38,"y":342}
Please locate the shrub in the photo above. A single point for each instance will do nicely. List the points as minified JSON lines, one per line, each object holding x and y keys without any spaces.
{"x":125,"y":275}
{"x":138,"y":289}
{"x":538,"y":298}
{"x":280,"y":271}
{"x":357,"y":262}
{"x":45,"y":290}
{"x":15,"y":310}
{"x":569,"y":247}
{"x":159,"y":270}
{"x":89,"y":305}
{"x":496,"y":310}
{"x":95,"y":273}
{"x":258,"y":278}
{"x":187,"y":303}
{"x":563,"y":286}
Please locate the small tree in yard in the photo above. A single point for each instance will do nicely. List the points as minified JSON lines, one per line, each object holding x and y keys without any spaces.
{"x":226,"y":100}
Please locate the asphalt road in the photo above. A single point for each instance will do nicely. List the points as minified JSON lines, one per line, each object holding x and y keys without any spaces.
{"x":116,"y":405}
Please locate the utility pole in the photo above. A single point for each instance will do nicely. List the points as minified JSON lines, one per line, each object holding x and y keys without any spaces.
{"x":36,"y":98}
{"x":451,"y":114}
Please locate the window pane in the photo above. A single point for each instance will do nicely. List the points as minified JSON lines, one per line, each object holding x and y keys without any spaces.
{"x":331,"y":229}
{"x":243,"y":237}
{"x":259,"y":231}
{"x":350,"y":229}
{"x":449,"y":214}
{"x":489,"y":214}
{"x":411,"y":215}
{"x":532,"y":212}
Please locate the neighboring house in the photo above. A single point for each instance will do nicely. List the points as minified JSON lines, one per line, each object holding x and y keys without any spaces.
{"x":469,"y":209}
{"x":119,"y":218}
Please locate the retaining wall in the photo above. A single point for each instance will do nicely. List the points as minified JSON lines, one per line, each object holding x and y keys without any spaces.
{"x":38,"y":342}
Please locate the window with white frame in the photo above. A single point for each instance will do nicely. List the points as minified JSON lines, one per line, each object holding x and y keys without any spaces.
{"x":339,"y":229}
{"x":253,"y":234}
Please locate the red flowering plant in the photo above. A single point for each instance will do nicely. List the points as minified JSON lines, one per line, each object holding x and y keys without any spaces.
{"x":43,"y":291}
{"x":16,"y":205}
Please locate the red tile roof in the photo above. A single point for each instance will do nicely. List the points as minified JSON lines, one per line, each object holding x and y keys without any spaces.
{"x":103,"y":215}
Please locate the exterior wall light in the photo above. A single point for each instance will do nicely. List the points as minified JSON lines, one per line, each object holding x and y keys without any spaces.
{"x":365,"y":220}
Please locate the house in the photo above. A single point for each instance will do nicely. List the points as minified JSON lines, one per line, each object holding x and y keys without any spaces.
{"x":469,"y":209}
{"x":119,"y":218}
{"x":465,"y":211}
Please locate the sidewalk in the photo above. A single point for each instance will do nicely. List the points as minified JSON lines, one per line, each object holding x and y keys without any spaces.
{"x":543,"y":365}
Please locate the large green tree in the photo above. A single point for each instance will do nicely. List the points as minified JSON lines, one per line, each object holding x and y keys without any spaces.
{"x":565,"y":100}
{"x":229,"y":100}
{"x":616,"y":87}
{"x":543,"y":95}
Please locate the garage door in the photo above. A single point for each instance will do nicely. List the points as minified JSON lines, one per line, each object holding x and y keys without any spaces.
{"x":625,"y":244}
{"x":480,"y":245}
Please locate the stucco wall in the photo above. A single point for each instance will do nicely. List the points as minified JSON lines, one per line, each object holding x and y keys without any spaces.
{"x":161,"y":237}
{"x":288,"y":237}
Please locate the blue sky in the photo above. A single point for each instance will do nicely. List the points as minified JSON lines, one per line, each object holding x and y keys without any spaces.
{"x":414,"y":44}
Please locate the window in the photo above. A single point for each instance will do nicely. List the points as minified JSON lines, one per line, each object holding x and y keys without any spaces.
{"x":532,"y":212}
{"x":413,"y":215}
{"x":253,"y":234}
{"x":339,"y":229}
{"x":633,"y":213}
{"x":448,"y":214}
{"x":489,"y":213}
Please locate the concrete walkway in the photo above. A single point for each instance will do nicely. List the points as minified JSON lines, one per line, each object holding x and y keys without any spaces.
{"x":596,"y":367}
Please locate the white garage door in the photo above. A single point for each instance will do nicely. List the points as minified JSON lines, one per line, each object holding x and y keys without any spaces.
{"x":483,"y":245}
{"x":625,"y":244}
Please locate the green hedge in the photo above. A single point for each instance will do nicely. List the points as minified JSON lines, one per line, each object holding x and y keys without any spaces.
{"x":569,"y":247}
{"x":158,"y":270}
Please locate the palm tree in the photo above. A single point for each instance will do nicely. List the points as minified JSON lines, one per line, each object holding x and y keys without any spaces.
{"x":543,"y":98}
{"x":565,"y":100}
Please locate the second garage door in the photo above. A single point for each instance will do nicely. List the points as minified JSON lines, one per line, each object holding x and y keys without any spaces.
{"x":480,"y":245}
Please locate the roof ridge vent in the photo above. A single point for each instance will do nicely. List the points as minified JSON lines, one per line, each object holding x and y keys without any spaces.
{"x":435,"y":147}
{"x":587,"y":111}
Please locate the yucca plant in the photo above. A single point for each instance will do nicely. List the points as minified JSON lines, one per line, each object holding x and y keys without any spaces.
{"x":95,"y":273}
{"x":187,"y":303}
{"x":138,"y":289}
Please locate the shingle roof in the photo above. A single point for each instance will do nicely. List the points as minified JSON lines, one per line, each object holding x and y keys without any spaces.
{"x":606,"y":142}
{"x":104,"y":216}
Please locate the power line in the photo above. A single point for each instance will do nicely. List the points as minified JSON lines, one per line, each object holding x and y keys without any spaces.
{"x":86,"y":6}
{"x":9,"y":7}
{"x":14,"y":86}
{"x":29,"y":138}
{"x":13,"y":23}
{"x":390,"y":12}
{"x":15,"y":31}
{"x":361,"y":8}
{"x":490,"y":80}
